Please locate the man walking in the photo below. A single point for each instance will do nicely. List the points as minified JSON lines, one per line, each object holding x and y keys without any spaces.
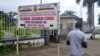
{"x":77,"y":41}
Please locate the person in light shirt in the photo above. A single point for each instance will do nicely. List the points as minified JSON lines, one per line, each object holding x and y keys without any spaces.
{"x":77,"y":41}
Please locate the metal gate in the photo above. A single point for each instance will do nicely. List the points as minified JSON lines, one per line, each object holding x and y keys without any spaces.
{"x":8,"y":27}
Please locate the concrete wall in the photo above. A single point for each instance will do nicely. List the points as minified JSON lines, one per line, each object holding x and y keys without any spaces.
{"x":33,"y":43}
{"x":67,"y":24}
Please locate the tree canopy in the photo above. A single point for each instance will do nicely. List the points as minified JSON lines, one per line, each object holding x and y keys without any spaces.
{"x":8,"y":18}
{"x":88,"y":2}
{"x":68,"y":13}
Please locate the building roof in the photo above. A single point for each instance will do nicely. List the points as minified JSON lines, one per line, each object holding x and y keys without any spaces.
{"x":67,"y":17}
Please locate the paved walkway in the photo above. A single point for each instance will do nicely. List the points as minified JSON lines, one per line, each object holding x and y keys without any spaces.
{"x":92,"y":50}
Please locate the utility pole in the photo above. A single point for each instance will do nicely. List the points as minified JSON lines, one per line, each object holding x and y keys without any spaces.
{"x":40,"y":1}
{"x":81,"y":19}
{"x":80,"y":11}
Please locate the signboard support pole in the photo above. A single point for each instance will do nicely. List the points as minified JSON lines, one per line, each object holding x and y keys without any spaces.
{"x":58,"y":49}
{"x":17,"y":47}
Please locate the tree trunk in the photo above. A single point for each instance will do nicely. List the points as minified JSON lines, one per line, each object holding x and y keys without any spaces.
{"x":91,"y":19}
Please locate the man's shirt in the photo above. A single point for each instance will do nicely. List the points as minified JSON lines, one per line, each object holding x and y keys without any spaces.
{"x":75,"y":38}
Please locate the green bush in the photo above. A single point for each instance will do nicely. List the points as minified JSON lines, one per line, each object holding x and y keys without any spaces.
{"x":22,"y":33}
{"x":5,"y":49}
{"x":1,"y":34}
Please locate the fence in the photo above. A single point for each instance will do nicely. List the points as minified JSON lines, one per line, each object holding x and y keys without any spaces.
{"x":8,"y":27}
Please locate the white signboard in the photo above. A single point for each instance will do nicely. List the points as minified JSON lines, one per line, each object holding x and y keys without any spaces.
{"x":39,"y":16}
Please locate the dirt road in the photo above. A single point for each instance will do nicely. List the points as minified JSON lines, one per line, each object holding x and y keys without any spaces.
{"x":92,"y":50}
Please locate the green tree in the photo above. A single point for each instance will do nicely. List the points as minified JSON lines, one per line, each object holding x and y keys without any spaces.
{"x":1,"y":23}
{"x":1,"y":15}
{"x":68,"y":13}
{"x":9,"y":19}
{"x":90,"y":6}
{"x":1,"y":27}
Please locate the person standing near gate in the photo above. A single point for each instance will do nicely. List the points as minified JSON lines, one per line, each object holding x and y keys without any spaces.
{"x":77,"y":41}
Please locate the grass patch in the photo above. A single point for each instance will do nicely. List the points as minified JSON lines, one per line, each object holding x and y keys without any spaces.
{"x":44,"y":46}
{"x":97,"y":39}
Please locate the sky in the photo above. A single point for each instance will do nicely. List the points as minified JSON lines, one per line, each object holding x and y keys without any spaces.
{"x":12,"y":5}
